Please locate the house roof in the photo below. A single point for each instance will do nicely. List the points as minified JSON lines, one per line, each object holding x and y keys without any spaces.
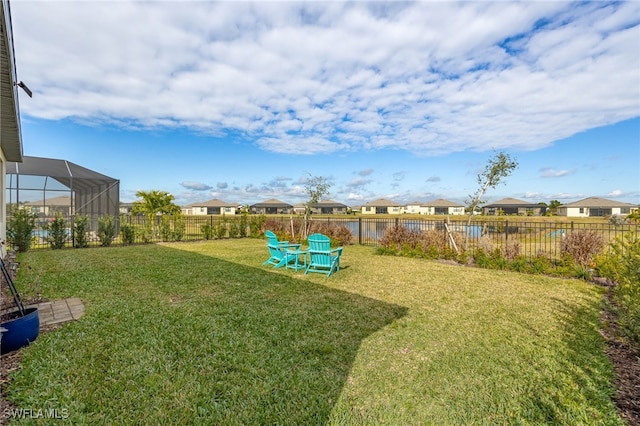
{"x":63,"y":200}
{"x":329,"y":203}
{"x":512,"y":202}
{"x":381,"y":202}
{"x":597,"y":202}
{"x":10,"y":135}
{"x":212,"y":203}
{"x":272,"y":203}
{"x":440,"y":202}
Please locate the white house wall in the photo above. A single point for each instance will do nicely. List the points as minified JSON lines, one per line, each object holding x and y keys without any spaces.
{"x":413,"y":209}
{"x":575,"y":211}
{"x":198,"y":211}
{"x":368,"y":210}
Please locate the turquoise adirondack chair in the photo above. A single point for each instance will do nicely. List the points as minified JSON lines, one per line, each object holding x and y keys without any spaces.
{"x":278,"y":250}
{"x":323,"y":258}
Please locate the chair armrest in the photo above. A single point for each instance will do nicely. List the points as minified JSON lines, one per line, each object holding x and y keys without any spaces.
{"x":336,"y":250}
{"x":286,"y":246}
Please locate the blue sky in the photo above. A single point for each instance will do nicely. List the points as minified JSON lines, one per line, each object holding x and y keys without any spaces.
{"x":244,"y":100}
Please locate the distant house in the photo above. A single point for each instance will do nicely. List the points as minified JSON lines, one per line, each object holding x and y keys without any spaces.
{"x":434,"y":207}
{"x":414,"y":207}
{"x":329,"y":207}
{"x":51,"y":206}
{"x":595,"y":207}
{"x":299,"y":208}
{"x":445,"y":207}
{"x":323,"y":207}
{"x":271,"y":206}
{"x":382,"y":206}
{"x":214,"y":206}
{"x":126,"y":208}
{"x":512,"y":206}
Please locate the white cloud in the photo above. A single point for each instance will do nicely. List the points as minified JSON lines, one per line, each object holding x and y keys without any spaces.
{"x":365,"y":172}
{"x":196,"y":186}
{"x":550,"y":172}
{"x":533,"y":195}
{"x":616,"y":193}
{"x":565,"y":196}
{"x":322,"y":77}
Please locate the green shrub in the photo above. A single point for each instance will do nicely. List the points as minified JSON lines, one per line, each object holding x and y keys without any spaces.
{"x":257,"y":226}
{"x":497,"y":261}
{"x":80,"y":229}
{"x":234,"y":229}
{"x":243,"y":224}
{"x":540,"y":264}
{"x":57,"y":232}
{"x":409,"y":251}
{"x":481,"y":259}
{"x":220,"y":230}
{"x":106,"y":230}
{"x":463,"y":257}
{"x":179,"y":228}
{"x":165,"y":228}
{"x":519,"y":264}
{"x":583,"y":272}
{"x":20,"y":229}
{"x":207,"y":231}
{"x":622,"y":265}
{"x":127,"y":233}
{"x":382,"y":250}
{"x":147,"y":232}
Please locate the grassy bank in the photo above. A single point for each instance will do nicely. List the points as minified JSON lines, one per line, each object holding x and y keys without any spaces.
{"x":201,"y":333}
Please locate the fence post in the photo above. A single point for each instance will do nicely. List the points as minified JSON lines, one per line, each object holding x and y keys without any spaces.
{"x":506,"y":230}
{"x":360,"y":230}
{"x":72,"y":228}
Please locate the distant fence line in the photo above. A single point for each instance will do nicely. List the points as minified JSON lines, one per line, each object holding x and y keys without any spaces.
{"x":535,"y":238}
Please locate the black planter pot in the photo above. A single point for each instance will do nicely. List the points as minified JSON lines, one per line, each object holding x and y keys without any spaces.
{"x":21,"y":331}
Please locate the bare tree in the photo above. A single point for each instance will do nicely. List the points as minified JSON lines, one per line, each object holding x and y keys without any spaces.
{"x":498,"y":167}
{"x":316,"y":187}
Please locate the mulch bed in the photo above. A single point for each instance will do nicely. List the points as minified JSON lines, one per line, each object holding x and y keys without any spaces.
{"x":626,"y":363}
{"x":627,"y":366}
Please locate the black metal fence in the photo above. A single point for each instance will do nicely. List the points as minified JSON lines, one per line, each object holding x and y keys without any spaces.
{"x":534,"y":238}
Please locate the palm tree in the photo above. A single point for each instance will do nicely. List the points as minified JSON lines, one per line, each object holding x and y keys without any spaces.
{"x":155,"y":203}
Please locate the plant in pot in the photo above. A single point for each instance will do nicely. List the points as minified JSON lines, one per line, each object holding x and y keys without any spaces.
{"x":19,"y":326}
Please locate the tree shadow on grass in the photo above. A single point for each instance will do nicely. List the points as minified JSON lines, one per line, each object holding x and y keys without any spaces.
{"x":203,"y":340}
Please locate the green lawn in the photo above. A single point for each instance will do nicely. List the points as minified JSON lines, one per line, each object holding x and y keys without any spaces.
{"x":202,"y":333}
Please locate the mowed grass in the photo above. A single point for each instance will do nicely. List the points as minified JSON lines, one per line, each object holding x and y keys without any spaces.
{"x":202,"y":333}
